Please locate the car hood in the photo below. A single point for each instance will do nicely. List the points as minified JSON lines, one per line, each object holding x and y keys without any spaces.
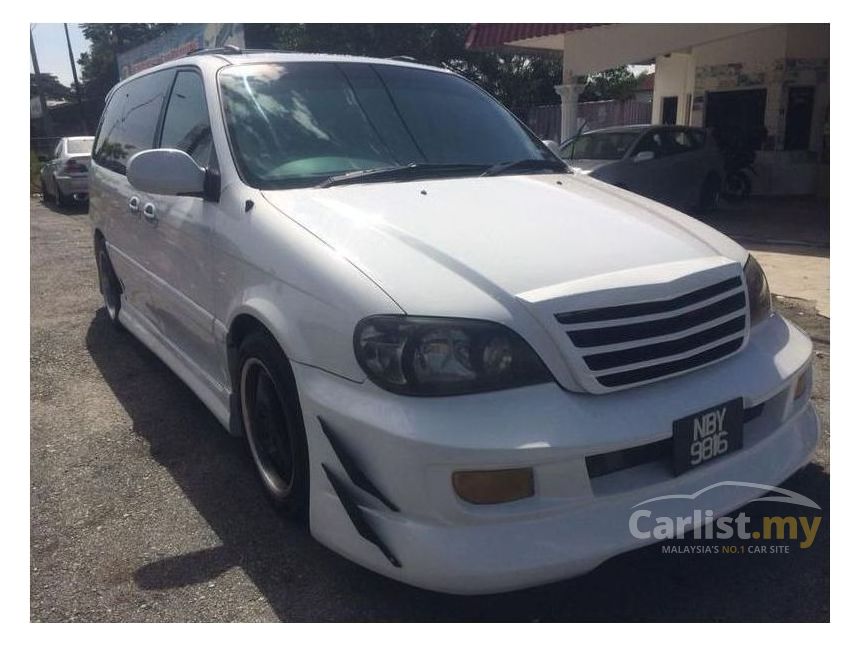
{"x":587,"y":166}
{"x":473,"y":246}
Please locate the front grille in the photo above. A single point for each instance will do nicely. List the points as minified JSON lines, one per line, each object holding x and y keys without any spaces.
{"x":626,"y":344}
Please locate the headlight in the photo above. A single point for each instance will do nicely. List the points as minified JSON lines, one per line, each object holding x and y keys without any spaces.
{"x":758,"y":293}
{"x":440,"y":356}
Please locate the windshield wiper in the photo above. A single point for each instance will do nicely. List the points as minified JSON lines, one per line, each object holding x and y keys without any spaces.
{"x":525,"y":164}
{"x":394,"y":173}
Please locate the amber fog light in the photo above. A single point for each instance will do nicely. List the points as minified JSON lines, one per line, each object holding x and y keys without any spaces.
{"x":494,"y":486}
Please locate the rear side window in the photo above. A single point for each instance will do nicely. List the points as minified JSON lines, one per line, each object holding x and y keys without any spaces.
{"x":130,"y":119}
{"x":698,"y":138}
{"x":566,"y":151}
{"x":682,"y":141}
{"x":186,"y":122}
{"x":655,"y":141}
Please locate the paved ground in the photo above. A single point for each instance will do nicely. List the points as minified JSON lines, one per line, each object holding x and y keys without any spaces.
{"x":790,"y":238}
{"x":143,"y":509}
{"x":775,"y":220}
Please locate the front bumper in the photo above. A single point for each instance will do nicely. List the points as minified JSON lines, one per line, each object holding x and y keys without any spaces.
{"x":409,"y":447}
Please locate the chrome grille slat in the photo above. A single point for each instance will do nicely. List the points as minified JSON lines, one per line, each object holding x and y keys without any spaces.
{"x":645,"y":340}
{"x":616,"y":322}
{"x":600,"y":314}
{"x":596,"y":336}
{"x":668,"y":337}
{"x":667,"y":358}
{"x":662,"y":370}
{"x":660,"y":339}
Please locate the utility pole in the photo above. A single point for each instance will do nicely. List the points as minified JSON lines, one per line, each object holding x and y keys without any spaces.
{"x":49,"y":127}
{"x":75,"y":79}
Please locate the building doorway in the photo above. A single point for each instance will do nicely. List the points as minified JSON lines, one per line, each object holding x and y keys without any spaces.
{"x":736,"y":117}
{"x":798,"y":117}
{"x":669,"y":114}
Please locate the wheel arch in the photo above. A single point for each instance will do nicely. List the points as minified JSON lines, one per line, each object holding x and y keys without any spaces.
{"x":254,"y":316}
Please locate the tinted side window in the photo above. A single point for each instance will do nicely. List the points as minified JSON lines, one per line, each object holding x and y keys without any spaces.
{"x":566,"y":151}
{"x":698,"y":137}
{"x":128,"y":125}
{"x":651,"y":142}
{"x":186,"y":122}
{"x":682,"y":141}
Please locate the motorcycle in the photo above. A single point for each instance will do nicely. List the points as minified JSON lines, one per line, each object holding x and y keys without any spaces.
{"x":739,"y":170}
{"x":739,"y":151}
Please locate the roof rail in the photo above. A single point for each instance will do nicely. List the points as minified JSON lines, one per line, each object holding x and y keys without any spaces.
{"x":405,"y":59}
{"x":226,"y":49}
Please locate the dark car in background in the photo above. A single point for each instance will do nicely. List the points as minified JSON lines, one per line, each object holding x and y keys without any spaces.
{"x":676,"y":165}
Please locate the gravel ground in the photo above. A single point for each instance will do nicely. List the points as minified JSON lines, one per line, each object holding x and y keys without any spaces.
{"x":143,"y":509}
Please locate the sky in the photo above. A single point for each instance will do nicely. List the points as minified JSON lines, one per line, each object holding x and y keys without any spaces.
{"x":51,"y":49}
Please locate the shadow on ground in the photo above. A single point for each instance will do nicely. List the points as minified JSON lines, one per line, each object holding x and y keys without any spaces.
{"x":798,"y":221}
{"x":78,"y":208}
{"x":301,"y":580}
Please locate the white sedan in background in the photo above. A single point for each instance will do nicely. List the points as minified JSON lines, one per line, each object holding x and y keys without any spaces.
{"x":676,"y":165}
{"x":65,"y":177}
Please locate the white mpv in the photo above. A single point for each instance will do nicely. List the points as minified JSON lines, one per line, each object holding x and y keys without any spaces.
{"x":461,"y":362}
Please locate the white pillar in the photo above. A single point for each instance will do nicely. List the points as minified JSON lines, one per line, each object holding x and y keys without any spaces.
{"x":569,"y":93}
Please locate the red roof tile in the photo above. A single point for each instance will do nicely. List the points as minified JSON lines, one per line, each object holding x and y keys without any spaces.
{"x":487,"y":35}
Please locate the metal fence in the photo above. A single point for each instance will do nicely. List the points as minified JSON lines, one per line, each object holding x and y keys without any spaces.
{"x":545,"y":120}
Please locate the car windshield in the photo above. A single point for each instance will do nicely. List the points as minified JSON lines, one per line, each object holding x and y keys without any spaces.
{"x":603,"y":145}
{"x":296,"y":124}
{"x":79,"y":146}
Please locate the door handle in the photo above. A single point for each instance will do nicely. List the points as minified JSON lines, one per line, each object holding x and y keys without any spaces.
{"x":149,"y":212}
{"x":134,"y":204}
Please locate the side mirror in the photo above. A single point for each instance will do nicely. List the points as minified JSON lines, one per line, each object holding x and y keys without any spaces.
{"x":645,"y":155}
{"x":553,"y":146}
{"x":165,"y":171}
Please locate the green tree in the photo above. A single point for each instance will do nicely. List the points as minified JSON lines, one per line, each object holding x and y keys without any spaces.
{"x":99,"y":72}
{"x":51,"y":86}
{"x":515,"y":79}
{"x":615,"y":83}
{"x":518,"y":80}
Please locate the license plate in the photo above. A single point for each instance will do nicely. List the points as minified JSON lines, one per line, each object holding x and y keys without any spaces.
{"x":706,"y":435}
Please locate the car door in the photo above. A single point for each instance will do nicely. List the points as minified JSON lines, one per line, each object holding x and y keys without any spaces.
{"x":685,"y":168}
{"x":179,"y":231}
{"x":648,"y":177}
{"x":128,"y":126}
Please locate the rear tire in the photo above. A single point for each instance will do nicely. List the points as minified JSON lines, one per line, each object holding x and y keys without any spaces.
{"x":272,"y":422}
{"x":709,"y":193}
{"x":46,"y":198}
{"x":737,"y":187}
{"x":62,"y":199}
{"x":109,"y":284}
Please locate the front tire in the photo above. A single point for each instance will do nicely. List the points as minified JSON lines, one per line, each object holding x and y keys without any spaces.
{"x":109,"y":284}
{"x":273,"y":425}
